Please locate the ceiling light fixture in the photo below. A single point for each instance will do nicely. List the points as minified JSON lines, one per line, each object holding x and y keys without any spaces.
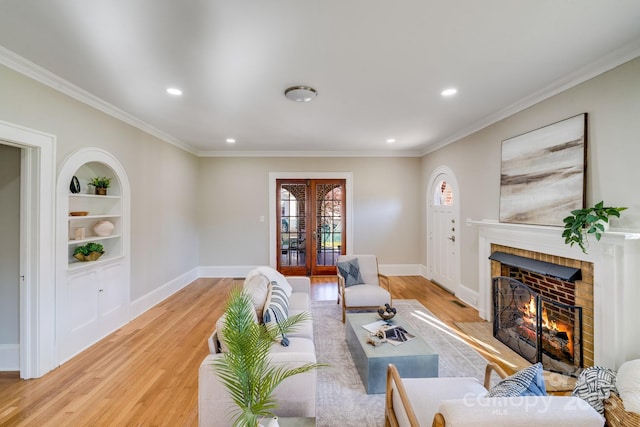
{"x":300,"y":93}
{"x":391,"y":140}
{"x":174,"y":91}
{"x":449,"y":92}
{"x":231,"y":141}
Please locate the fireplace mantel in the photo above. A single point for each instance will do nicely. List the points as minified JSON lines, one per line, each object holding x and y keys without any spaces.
{"x":616,"y":261}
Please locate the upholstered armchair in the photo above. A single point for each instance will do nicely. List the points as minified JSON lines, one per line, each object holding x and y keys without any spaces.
{"x":465,"y":402}
{"x":360,"y":283}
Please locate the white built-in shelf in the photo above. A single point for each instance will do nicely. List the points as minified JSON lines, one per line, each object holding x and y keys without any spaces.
{"x":79,"y":265}
{"x":93,"y":239}
{"x":74,"y":217}
{"x":97,"y":196}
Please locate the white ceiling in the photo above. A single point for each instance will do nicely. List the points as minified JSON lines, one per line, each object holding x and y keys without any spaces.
{"x":378,"y":65}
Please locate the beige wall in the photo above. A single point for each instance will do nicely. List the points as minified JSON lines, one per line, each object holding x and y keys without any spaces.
{"x":612,"y":101}
{"x":189,"y":211}
{"x":163,"y":178}
{"x":9,"y":244}
{"x":234,"y":192}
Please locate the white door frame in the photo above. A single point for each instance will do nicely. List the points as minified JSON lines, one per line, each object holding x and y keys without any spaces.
{"x":37,"y":247}
{"x":273,"y":176}
{"x":429,"y":223}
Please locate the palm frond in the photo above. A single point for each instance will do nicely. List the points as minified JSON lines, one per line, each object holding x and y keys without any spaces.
{"x":245,"y":369}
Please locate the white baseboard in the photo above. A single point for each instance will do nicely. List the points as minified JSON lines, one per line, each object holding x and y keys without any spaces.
{"x":401,"y":269}
{"x":243,"y":270}
{"x":10,"y":357}
{"x":225,"y":271}
{"x":467,"y":295}
{"x":144,"y":303}
{"x":158,"y":295}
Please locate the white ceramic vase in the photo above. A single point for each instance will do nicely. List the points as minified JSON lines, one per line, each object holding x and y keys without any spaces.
{"x":103,"y":228}
{"x":273,"y":422}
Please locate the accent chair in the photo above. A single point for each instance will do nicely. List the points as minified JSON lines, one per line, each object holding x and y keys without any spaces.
{"x":360,"y":283}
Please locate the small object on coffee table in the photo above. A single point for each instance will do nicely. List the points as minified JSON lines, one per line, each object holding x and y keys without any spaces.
{"x":386,"y":312}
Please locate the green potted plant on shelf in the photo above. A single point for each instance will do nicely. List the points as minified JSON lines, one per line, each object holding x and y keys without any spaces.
{"x":582,"y":222}
{"x":101,"y":183}
{"x":89,"y":252}
{"x":245,"y":369}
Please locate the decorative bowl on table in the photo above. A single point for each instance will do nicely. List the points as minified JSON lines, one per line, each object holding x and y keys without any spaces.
{"x":386,"y":312}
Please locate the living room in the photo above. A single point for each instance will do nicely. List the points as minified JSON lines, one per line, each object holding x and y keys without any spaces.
{"x":192,"y":214}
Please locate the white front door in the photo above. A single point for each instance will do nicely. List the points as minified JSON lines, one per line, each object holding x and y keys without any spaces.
{"x":443,"y":233}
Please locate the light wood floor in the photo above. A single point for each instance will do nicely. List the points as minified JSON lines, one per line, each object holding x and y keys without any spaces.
{"x":146,"y":373}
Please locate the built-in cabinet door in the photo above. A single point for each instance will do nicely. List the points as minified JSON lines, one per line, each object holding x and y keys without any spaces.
{"x":112,"y":296}
{"x":97,"y":305}
{"x":82,"y":313}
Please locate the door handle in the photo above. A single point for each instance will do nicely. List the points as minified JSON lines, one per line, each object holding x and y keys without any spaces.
{"x":452,"y":238}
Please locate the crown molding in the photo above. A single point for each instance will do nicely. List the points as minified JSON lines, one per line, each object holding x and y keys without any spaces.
{"x":27,"y":68}
{"x":606,"y":63}
{"x":309,"y":154}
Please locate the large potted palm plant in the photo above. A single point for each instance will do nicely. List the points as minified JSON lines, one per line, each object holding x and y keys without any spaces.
{"x":245,"y":369}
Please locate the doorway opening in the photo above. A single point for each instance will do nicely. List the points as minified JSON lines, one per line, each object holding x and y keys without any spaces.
{"x":10,"y":258}
{"x":37,"y":239}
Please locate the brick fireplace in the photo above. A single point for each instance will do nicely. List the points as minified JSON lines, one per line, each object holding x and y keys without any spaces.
{"x":579,"y":293}
{"x":609,"y":290}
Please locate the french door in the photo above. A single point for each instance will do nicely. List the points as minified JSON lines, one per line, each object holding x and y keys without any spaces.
{"x":310,"y":225}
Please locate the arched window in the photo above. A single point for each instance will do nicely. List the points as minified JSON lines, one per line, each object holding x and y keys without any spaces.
{"x":443,"y":194}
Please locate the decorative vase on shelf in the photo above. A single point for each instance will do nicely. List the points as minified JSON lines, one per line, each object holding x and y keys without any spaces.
{"x":103,"y":228}
{"x":74,"y":186}
{"x":273,"y":422}
{"x":101,"y":191}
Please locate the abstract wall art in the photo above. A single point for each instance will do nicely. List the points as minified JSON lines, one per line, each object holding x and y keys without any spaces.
{"x":543,"y":173}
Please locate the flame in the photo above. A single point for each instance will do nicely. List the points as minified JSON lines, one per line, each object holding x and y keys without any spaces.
{"x":551,"y":325}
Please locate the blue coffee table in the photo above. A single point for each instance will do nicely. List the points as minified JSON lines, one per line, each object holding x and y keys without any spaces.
{"x":414,"y":359}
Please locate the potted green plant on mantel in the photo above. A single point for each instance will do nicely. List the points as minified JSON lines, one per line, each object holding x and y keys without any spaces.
{"x":582,"y":222}
{"x":245,"y":369}
{"x":101,"y":183}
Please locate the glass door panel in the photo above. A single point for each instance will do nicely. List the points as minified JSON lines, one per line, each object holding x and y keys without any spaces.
{"x":329,"y":203}
{"x":292,"y":230}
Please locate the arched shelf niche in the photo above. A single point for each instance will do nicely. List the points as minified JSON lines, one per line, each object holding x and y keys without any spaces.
{"x":92,"y":297}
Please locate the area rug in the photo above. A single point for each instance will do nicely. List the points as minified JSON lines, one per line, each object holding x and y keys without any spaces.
{"x":342,"y":400}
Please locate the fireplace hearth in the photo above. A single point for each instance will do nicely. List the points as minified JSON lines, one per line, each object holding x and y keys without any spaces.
{"x":538,"y":328}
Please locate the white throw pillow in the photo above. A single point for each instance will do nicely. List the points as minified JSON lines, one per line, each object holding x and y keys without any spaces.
{"x":274,"y":275}
{"x":628,"y":385}
{"x":256,"y":285}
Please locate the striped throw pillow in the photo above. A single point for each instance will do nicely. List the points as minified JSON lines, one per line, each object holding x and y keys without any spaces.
{"x":276,"y":310}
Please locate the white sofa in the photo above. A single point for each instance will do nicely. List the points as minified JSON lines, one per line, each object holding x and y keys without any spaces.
{"x":296,"y":396}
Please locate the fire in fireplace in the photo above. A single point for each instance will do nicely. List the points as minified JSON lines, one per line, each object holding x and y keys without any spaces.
{"x":536,"y":327}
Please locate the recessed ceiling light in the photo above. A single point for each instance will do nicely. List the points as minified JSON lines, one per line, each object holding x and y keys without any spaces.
{"x":174,"y":91}
{"x":449,"y":92}
{"x":231,"y":141}
{"x":300,"y":93}
{"x":391,"y":140}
